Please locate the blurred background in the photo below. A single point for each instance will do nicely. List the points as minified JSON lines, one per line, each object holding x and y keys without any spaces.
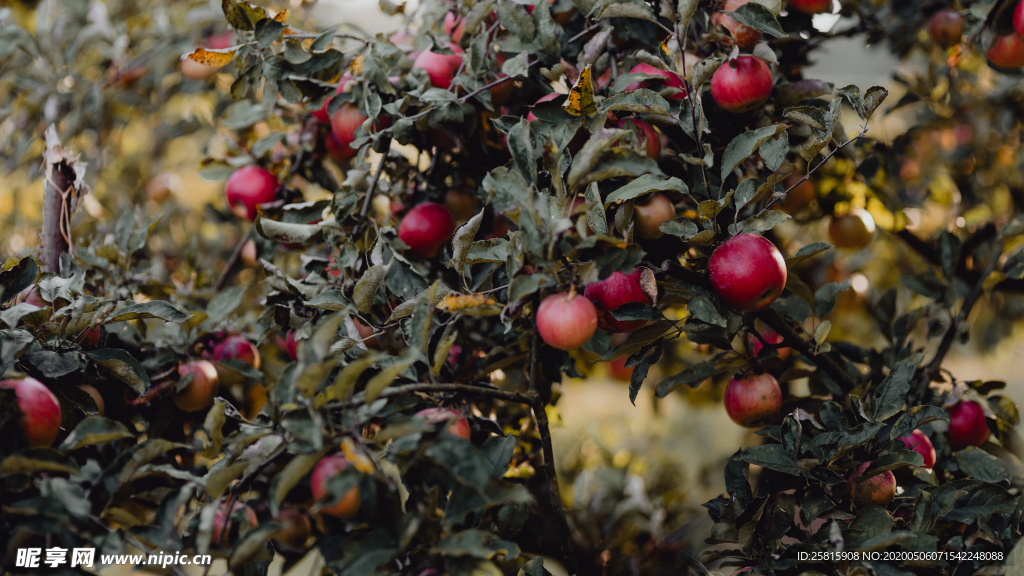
{"x":145,"y":125}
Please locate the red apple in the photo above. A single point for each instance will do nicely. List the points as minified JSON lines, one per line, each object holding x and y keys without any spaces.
{"x":249,"y":254}
{"x":500,"y":93}
{"x":754,"y":400}
{"x":404,"y":39}
{"x":669,"y":79}
{"x":742,"y":84}
{"x":199,"y":393}
{"x":462,"y":203}
{"x":648,"y":136}
{"x":459,"y":425}
{"x":454,"y":26}
{"x":967,"y":426}
{"x":566,"y":323}
{"x":40,"y":410}
{"x":878,"y":490}
{"x":612,"y":292}
{"x":619,"y":371}
{"x":92,"y":338}
{"x":652,"y":214}
{"x":852,"y":230}
{"x":237,"y":348}
{"x":296,"y":528}
{"x":919,"y":442}
{"x":291,"y":345}
{"x":426,"y":228}
{"x":772,"y":337}
{"x":321,"y":115}
{"x":326,"y":468}
{"x":1007,"y":52}
{"x":31,"y":295}
{"x":247,"y":188}
{"x":97,"y":398}
{"x":810,"y":6}
{"x":748,"y":272}
{"x":440,"y":67}
{"x":545,"y":98}
{"x":745,"y":37}
{"x":945,"y":27}
{"x":220,"y":520}
{"x":344,"y":123}
{"x":1018,"y":19}
{"x":365,"y":333}
{"x":798,"y":197}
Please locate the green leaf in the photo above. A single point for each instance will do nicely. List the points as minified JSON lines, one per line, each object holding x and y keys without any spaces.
{"x":642,"y":101}
{"x":636,"y":311}
{"x":517,"y":20}
{"x":825,"y":297}
{"x":368,"y":285}
{"x":122,"y":365}
{"x":535,"y":567}
{"x":981,"y":465}
{"x":517,"y":67}
{"x":759,"y":17}
{"x":37,"y":460}
{"x":288,"y":233}
{"x":92,"y":431}
{"x":806,"y":253}
{"x":761,"y":223}
{"x":772,"y":456}
{"x":15,"y":313}
{"x":889,"y":397}
{"x":644,"y":185}
{"x":17,"y":278}
{"x":51,"y":363}
{"x":224,"y":303}
{"x":242,"y":15}
{"x":682,"y":227}
{"x":596,"y":219}
{"x":384,"y":378}
{"x":894,"y":460}
{"x":155,"y":309}
{"x":333,"y":299}
{"x":691,"y":377}
{"x":746,"y":144}
{"x":703,"y":309}
{"x":914,"y":417}
{"x":476,"y":544}
{"x":626,"y":10}
{"x":872,"y":99}
{"x":773,"y":152}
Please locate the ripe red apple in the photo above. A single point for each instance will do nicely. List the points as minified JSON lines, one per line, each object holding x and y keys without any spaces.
{"x":967,"y":426}
{"x":92,"y":338}
{"x":247,"y":188}
{"x":945,"y":27}
{"x":754,"y":400}
{"x":798,"y":197}
{"x":404,"y":39}
{"x":619,"y":371}
{"x":669,"y":79}
{"x":1018,"y":19}
{"x":440,"y":67}
{"x":648,"y":136}
{"x":748,"y":272}
{"x":237,"y":348}
{"x":249,"y":254}
{"x":296,"y":528}
{"x":612,"y":292}
{"x":462,"y":203}
{"x":772,"y":337}
{"x":326,"y":468}
{"x":566,"y":323}
{"x":344,"y":123}
{"x":31,"y":295}
{"x":652,"y":214}
{"x":545,"y":98}
{"x":1007,"y":52}
{"x":919,"y":442}
{"x":365,"y":333}
{"x":426,"y":228}
{"x":810,"y":6}
{"x":97,"y":398}
{"x":878,"y":490}
{"x":742,"y":84}
{"x":220,"y":520}
{"x":291,"y":345}
{"x":40,"y":410}
{"x":199,"y":393}
{"x":745,"y":37}
{"x":500,"y":93}
{"x":454,"y":26}
{"x":459,"y":425}
{"x":852,"y":230}
{"x":321,"y":115}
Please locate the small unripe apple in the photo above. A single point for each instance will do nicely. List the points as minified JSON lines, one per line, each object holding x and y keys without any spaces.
{"x":220,"y":520}
{"x":798,"y":197}
{"x":772,"y":337}
{"x":97,"y":398}
{"x":810,"y":6}
{"x":919,"y":442}
{"x":459,"y":425}
{"x":967,"y":426}
{"x":199,"y":393}
{"x":652,"y":214}
{"x":462,"y":203}
{"x":291,"y":345}
{"x":426,"y":228}
{"x":878,"y":490}
{"x":545,"y":98}
{"x":669,"y":79}
{"x":612,"y":292}
{"x":1018,"y":19}
{"x":440,"y":67}
{"x":566,"y":323}
{"x":742,"y":84}
{"x":40,"y":410}
{"x":648,"y":136}
{"x":754,"y":400}
{"x":296,"y":528}
{"x":1007,"y":52}
{"x":329,"y":466}
{"x":748,"y":272}
{"x":946,"y":26}
{"x":744,"y":36}
{"x":853,"y":229}
{"x":247,"y":188}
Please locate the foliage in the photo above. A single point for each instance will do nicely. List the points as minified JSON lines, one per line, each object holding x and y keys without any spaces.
{"x":458,"y":330}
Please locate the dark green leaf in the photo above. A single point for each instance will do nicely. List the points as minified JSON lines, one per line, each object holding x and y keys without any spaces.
{"x":122,"y":365}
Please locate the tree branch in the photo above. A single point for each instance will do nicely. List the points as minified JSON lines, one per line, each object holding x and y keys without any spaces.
{"x":369,"y":193}
{"x":548,"y":467}
{"x":926,"y":251}
{"x":792,"y":339}
{"x":226,"y":272}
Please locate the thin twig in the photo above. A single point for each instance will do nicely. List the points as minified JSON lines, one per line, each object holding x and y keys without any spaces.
{"x":792,"y":339}
{"x":178,"y":571}
{"x":496,"y":393}
{"x":369,"y":193}
{"x":232,"y":260}
{"x":585,"y":31}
